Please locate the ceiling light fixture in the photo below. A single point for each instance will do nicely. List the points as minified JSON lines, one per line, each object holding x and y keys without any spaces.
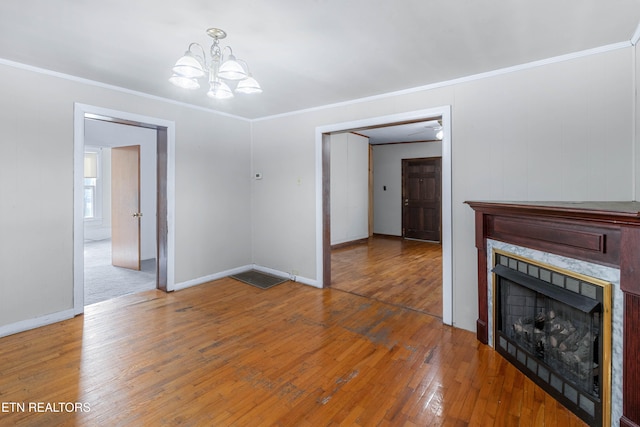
{"x":220,"y":69}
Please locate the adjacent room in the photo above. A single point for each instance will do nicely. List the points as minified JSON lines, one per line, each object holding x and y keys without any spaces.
{"x":111,"y":267}
{"x":446,"y":209}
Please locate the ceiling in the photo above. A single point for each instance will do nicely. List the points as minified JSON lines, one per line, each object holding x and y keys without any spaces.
{"x":304,"y":53}
{"x":422,"y":131}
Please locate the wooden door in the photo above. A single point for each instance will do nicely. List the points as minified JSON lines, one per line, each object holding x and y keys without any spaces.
{"x":422,"y":198}
{"x":125,"y":207}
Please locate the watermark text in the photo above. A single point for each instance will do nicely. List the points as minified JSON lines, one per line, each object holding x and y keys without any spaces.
{"x":64,"y":407}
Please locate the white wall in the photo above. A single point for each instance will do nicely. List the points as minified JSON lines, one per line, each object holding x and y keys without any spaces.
{"x":212,"y":181}
{"x":349,"y":187}
{"x":387,"y":173}
{"x":561,"y":131}
{"x":636,"y":113}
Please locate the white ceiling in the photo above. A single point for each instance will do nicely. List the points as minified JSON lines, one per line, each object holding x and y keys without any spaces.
{"x":305,"y":53}
{"x":424,"y":131}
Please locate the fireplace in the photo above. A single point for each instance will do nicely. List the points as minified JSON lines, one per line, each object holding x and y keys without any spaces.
{"x":596,"y":239}
{"x":555,"y":327}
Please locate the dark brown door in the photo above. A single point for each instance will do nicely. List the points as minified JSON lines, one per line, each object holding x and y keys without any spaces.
{"x":422,"y":201}
{"x":125,"y":207}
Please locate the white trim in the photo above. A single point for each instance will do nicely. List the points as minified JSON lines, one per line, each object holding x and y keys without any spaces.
{"x":77,"y":79}
{"x":634,"y":128}
{"x":636,"y":36}
{"x":211,"y":277}
{"x":273,"y":272}
{"x":78,"y":217}
{"x":447,"y":211}
{"x":25,"y":325}
{"x":78,"y":166}
{"x":300,"y":279}
{"x":216,"y":276}
{"x":307,"y":281}
{"x":473,"y":77}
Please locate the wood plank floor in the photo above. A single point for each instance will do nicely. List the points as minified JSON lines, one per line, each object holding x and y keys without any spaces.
{"x":402,"y":272}
{"x":229,"y":354}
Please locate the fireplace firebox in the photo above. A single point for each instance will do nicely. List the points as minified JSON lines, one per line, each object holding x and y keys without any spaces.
{"x":555,"y":327}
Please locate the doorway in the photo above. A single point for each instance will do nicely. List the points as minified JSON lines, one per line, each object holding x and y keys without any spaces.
{"x":120,"y":220}
{"x":421,"y":199}
{"x":323,"y":227}
{"x":163,"y":228}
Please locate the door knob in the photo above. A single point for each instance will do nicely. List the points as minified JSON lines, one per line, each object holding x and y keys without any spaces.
{"x":137,"y":214}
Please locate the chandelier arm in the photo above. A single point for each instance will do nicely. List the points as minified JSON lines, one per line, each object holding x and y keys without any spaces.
{"x":202,"y":58}
{"x":230,"y":52}
{"x":244,"y":65}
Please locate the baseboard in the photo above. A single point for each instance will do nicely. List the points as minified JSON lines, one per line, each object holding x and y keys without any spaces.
{"x":220,"y":275}
{"x":387,"y":236}
{"x":349,"y":243}
{"x":272,"y":271}
{"x":25,"y":325}
{"x":300,"y":279}
{"x":211,"y":277}
{"x":306,"y":281}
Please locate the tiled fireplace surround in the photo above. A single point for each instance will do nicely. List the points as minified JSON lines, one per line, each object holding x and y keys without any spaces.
{"x":597,"y":239}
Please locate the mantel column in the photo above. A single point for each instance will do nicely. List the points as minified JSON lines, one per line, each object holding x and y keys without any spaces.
{"x":482,"y":324}
{"x":630,"y":285}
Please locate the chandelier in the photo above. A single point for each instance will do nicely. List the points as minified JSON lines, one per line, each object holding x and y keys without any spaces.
{"x":221,"y":70}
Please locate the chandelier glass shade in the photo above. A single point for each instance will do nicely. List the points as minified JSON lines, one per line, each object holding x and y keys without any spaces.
{"x":219,"y":69}
{"x":219,"y":90}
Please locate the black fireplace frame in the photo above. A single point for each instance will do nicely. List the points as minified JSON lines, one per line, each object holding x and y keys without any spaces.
{"x":581,"y":292}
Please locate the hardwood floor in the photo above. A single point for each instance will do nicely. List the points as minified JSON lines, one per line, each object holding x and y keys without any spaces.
{"x":402,"y":272}
{"x":228,"y":354}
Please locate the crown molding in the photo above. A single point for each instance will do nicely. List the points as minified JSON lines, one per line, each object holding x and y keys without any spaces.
{"x":89,"y":82}
{"x":479,"y":76}
{"x":636,"y":36}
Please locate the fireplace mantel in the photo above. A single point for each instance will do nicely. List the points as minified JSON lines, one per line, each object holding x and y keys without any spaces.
{"x":606,"y":233}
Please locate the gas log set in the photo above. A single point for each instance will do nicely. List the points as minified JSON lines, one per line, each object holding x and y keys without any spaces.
{"x":563,"y":344}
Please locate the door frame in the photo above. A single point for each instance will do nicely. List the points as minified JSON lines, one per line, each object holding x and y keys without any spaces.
{"x":323,"y":220}
{"x":165,"y":233}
